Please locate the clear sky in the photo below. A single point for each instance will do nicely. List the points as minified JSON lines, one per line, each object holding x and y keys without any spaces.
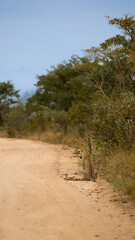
{"x":36,"y":34}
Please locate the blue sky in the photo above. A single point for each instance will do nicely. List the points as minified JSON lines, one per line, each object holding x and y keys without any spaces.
{"x":36,"y":34}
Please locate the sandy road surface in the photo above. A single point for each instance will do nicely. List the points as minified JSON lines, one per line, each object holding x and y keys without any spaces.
{"x":36,"y":204}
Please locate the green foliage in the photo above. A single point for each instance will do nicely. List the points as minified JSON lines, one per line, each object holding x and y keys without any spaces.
{"x":60,"y":117}
{"x":54,"y":89}
{"x":17,"y":123}
{"x":7,"y":92}
{"x":8,"y":97}
{"x":127,"y":40}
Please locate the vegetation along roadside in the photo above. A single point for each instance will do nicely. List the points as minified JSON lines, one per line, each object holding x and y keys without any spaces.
{"x":87,"y":102}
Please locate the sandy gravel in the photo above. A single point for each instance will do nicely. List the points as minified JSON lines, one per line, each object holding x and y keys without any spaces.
{"x":37,"y":202}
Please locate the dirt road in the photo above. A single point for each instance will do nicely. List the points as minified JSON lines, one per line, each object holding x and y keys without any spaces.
{"x":37,"y":204}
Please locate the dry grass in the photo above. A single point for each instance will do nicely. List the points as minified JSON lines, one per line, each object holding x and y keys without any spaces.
{"x":3,"y":134}
{"x":72,"y":140}
{"x":46,"y":136}
{"x":56,"y":136}
{"x":119,"y":169}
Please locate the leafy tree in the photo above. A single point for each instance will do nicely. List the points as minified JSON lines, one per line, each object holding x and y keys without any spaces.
{"x":127,"y":40}
{"x":8,"y":96}
{"x":125,"y":43}
{"x":57,"y":90}
{"x":112,"y":77}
